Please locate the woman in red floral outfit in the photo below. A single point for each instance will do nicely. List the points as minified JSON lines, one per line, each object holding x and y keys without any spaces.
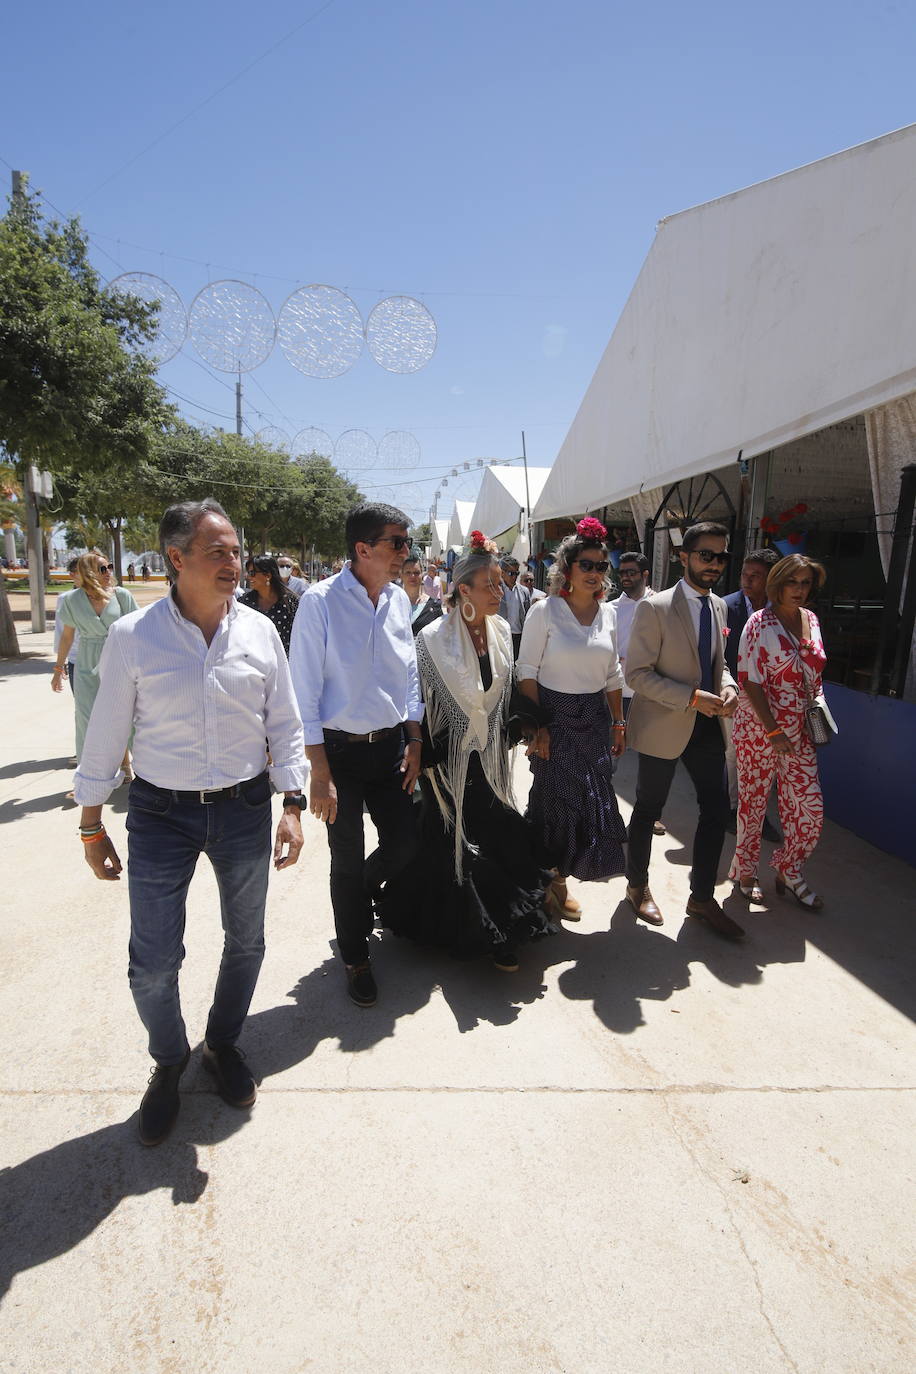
{"x":780,"y":662}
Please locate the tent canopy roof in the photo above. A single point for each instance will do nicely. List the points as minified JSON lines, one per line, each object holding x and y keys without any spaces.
{"x":502,"y":497}
{"x":460,"y":524}
{"x":756,"y":319}
{"x":439,"y":542}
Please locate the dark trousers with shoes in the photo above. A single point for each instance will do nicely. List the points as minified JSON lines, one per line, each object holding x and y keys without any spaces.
{"x":367,"y":775}
{"x":704,"y":759}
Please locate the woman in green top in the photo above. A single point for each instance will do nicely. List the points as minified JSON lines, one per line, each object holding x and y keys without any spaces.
{"x":92,"y":608}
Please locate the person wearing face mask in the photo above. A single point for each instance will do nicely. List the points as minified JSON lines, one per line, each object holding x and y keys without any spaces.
{"x":475,"y":885}
{"x":682,"y":690}
{"x":292,"y":583}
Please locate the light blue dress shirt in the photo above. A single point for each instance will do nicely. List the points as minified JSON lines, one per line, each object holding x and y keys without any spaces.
{"x":354,"y":665}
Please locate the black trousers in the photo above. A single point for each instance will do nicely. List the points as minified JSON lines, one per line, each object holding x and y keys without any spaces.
{"x":516,"y":645}
{"x":366,"y":775}
{"x":704,"y":759}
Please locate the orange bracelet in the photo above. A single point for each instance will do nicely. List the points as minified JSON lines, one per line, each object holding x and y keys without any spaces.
{"x":778,"y":731}
{"x":93,"y":839}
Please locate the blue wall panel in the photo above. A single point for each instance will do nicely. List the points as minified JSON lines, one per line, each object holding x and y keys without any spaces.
{"x":869,"y":772}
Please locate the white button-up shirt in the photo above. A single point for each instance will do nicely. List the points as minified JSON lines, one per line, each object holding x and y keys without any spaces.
{"x":203,"y":715}
{"x":354,"y":665}
{"x":624,"y":611}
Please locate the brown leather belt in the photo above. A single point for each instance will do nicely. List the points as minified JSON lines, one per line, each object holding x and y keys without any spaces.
{"x":343,"y":737}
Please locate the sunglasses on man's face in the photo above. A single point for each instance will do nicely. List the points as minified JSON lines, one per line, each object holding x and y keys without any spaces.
{"x":397,"y":541}
{"x":591,"y":565}
{"x":710,"y":556}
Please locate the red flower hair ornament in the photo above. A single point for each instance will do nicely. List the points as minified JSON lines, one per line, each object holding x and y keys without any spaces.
{"x":590,"y":528}
{"x":479,"y":542}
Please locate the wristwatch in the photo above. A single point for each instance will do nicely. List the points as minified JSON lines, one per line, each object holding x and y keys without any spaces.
{"x":298,"y":800}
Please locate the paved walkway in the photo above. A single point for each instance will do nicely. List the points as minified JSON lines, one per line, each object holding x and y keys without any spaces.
{"x":646,"y":1152}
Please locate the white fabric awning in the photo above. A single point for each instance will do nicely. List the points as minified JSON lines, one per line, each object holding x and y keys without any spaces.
{"x":501,"y":498}
{"x":756,"y":319}
{"x":439,"y":544}
{"x":459,"y":527}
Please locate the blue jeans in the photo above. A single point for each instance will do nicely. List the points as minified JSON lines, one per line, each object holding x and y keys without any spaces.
{"x":167,"y":833}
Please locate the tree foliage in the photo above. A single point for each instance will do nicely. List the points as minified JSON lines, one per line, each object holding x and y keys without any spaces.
{"x":76,"y":392}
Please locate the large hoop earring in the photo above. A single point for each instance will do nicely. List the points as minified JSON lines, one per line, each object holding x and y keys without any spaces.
{"x":465,"y":607}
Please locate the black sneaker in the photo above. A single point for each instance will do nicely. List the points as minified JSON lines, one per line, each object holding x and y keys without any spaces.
{"x":361,"y":984}
{"x":161,"y":1102}
{"x":234,"y":1081}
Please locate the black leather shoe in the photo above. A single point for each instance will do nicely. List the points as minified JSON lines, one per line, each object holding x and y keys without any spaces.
{"x":234,"y":1081}
{"x":715,"y":918}
{"x":361,"y":984}
{"x":161,"y":1102}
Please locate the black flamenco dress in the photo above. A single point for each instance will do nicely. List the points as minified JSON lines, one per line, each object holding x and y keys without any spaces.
{"x":498,"y":903}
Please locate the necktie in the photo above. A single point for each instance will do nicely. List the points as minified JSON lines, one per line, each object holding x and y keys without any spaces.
{"x":705,"y":646}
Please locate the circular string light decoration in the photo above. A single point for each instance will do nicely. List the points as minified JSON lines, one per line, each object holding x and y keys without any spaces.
{"x":171,"y":321}
{"x":321,"y":331}
{"x":273,"y":437}
{"x":355,"y":451}
{"x":309,"y":441}
{"x":401,"y":334}
{"x":398,"y":449}
{"x":232,"y":326}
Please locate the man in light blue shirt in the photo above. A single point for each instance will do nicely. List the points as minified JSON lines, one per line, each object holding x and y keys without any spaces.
{"x":355,"y":676}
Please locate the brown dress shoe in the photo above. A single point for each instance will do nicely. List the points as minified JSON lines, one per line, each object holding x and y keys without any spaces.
{"x":715,"y":918}
{"x":641,"y":900}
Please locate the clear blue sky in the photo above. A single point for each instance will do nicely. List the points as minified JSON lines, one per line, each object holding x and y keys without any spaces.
{"x":505,"y":162}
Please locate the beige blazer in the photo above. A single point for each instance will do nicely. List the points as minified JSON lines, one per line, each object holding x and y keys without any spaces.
{"x":663,"y":668}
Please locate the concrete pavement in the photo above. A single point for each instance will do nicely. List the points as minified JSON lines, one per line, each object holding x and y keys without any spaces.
{"x":648,"y":1151}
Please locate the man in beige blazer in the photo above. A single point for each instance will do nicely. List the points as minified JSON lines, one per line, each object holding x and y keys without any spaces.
{"x":683,"y":690}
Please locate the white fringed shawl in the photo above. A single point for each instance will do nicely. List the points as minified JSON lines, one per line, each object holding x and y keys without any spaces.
{"x":472,"y":719}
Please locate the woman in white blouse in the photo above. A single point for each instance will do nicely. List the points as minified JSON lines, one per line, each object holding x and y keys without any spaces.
{"x":568,"y":662}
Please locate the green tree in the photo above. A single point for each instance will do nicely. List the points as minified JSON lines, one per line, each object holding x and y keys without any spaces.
{"x":422,"y":535}
{"x":77,"y":395}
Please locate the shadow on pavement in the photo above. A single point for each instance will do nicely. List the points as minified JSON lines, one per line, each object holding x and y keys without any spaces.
{"x":867,"y":926}
{"x":56,"y":1199}
{"x":19,"y":770}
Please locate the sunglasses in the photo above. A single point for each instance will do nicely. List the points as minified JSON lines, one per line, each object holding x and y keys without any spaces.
{"x":105,"y":567}
{"x":707,"y":556}
{"x":397,"y":541}
{"x":590,"y":565}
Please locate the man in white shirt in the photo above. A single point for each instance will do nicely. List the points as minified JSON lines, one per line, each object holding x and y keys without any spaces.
{"x":682,"y":693}
{"x":355,"y":673}
{"x":204,"y":685}
{"x":526,"y":578}
{"x":633,"y":572}
{"x":516,"y":601}
{"x":634,"y":581}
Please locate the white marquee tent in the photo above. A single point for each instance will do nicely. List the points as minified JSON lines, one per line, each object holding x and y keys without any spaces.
{"x":459,"y":527}
{"x":501,"y":499}
{"x":439,"y":544}
{"x":756,"y":319}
